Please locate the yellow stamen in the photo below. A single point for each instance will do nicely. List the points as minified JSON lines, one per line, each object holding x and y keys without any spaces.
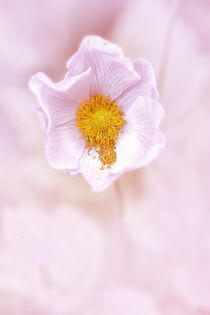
{"x":100,"y":121}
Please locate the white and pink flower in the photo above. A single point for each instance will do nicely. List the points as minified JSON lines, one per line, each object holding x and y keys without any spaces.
{"x":103,"y":118}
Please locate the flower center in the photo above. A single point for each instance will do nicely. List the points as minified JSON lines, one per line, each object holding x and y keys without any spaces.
{"x":100,"y":122}
{"x":101,"y":119}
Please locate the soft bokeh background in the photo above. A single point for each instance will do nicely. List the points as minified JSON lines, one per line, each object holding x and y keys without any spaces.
{"x":143,"y":245}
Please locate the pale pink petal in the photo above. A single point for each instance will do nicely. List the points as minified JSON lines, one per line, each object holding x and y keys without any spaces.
{"x":141,"y":140}
{"x":113,"y":74}
{"x":60,"y":100}
{"x":146,"y":86}
{"x":112,"y":77}
{"x":90,"y":168}
{"x":64,"y":146}
{"x":42,"y":117}
{"x":94,"y":42}
{"x":77,"y":63}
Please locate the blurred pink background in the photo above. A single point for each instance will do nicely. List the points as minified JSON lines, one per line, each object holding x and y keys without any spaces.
{"x":143,"y":245}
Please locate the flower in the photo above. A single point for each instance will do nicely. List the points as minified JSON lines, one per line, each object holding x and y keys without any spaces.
{"x":103,"y":118}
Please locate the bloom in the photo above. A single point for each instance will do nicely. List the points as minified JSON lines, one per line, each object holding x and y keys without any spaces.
{"x":103,"y":118}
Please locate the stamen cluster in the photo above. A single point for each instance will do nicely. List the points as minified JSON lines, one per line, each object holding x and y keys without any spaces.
{"x":100,"y":122}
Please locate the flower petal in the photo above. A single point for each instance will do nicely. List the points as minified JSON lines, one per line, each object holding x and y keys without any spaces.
{"x":146,"y":86}
{"x":141,"y":140}
{"x":113,"y":77}
{"x":64,"y":146}
{"x":60,"y":100}
{"x":90,"y":168}
{"x":91,"y":43}
{"x":113,"y":74}
{"x":42,"y":117}
{"x":58,"y":104}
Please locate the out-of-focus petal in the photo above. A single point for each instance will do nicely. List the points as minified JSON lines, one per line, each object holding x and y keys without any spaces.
{"x":122,"y":300}
{"x":49,"y":250}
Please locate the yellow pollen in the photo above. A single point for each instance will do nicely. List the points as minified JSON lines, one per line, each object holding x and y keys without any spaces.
{"x":101,"y":119}
{"x":100,"y":122}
